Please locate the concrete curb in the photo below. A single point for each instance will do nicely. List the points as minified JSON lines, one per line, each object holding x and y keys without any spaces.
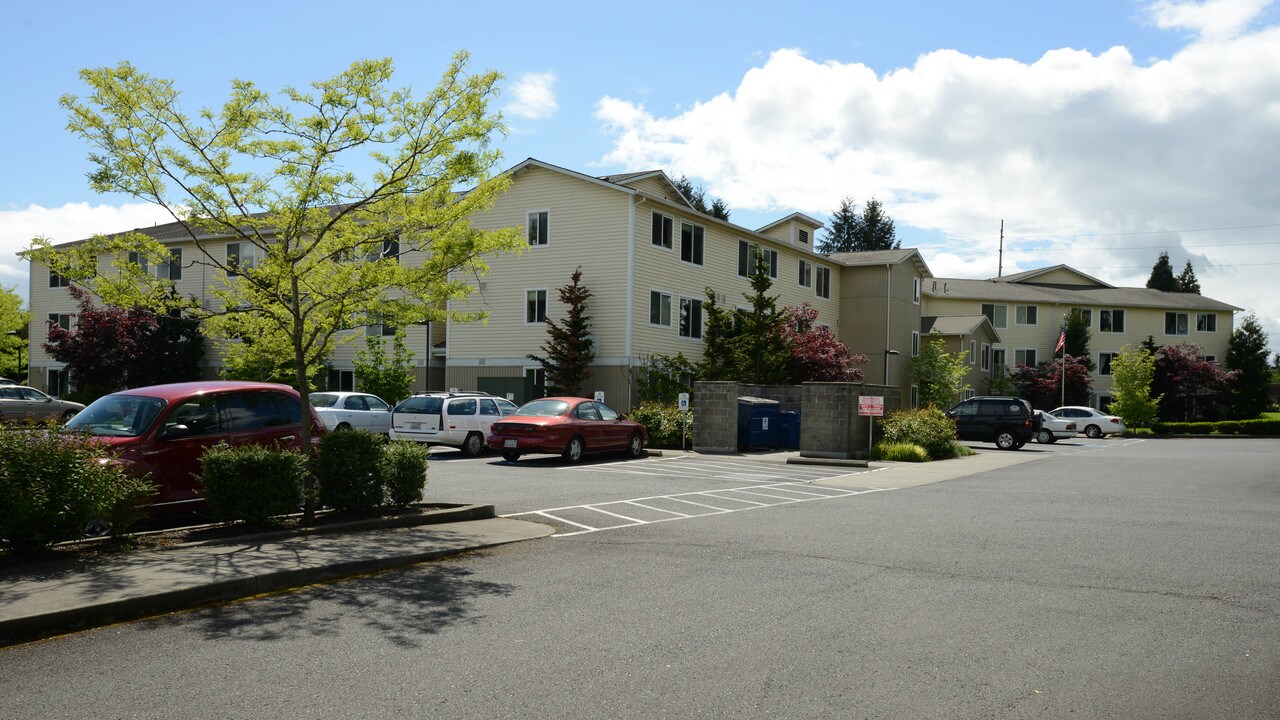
{"x":833,"y":462}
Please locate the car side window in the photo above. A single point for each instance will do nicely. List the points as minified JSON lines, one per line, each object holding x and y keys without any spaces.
{"x":199,"y":415}
{"x":290,"y":408}
{"x":587,"y":411}
{"x":29,"y":394}
{"x":462,"y":407}
{"x":376,"y":404}
{"x":488,"y":407}
{"x":1015,"y":408}
{"x":9,"y":393}
{"x":965,"y":410}
{"x":606,"y":412}
{"x":355,"y":402}
{"x":251,"y":411}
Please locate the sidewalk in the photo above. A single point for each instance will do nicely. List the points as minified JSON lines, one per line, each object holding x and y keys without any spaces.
{"x":51,"y":598}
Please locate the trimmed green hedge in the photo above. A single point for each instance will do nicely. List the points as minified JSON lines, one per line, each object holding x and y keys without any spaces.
{"x":347,"y":469}
{"x":1264,"y":426}
{"x":251,"y":482}
{"x":403,"y":468}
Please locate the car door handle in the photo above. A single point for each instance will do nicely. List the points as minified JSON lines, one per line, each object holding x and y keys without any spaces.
{"x":289,"y":437}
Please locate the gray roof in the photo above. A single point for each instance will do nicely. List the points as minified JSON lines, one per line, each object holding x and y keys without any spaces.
{"x":997,"y":290}
{"x":872,"y":257}
{"x":807,"y":220}
{"x":624,"y":177}
{"x":956,"y":325}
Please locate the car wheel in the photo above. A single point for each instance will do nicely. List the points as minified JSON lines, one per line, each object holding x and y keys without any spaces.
{"x":511,"y":456}
{"x":97,"y":527}
{"x":1005,"y":440}
{"x":1093,"y":431}
{"x":473,"y":445}
{"x":342,"y":427}
{"x":68,"y":415}
{"x":573,"y":451}
{"x":635,"y":448}
{"x":1044,"y":436}
{"x":1018,"y":445}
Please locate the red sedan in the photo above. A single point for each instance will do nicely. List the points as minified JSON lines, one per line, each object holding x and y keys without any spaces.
{"x":568,"y":426}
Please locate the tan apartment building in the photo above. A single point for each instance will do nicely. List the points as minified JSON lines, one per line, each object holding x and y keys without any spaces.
{"x":648,"y":257}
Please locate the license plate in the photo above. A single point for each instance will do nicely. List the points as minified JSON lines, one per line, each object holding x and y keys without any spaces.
{"x":509,"y":443}
{"x":415,"y":426}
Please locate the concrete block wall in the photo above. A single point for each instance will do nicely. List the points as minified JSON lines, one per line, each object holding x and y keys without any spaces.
{"x":715,"y":416}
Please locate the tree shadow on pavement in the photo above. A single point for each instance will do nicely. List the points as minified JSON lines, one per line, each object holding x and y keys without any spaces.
{"x":404,"y":605}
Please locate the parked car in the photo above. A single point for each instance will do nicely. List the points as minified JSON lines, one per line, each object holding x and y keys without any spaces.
{"x":460,"y":419}
{"x":1009,"y":422}
{"x":352,"y":411}
{"x":567,"y":426}
{"x":163,"y":429}
{"x":1053,"y":429}
{"x":23,"y":404}
{"x":7,"y":381}
{"x":1093,"y":423}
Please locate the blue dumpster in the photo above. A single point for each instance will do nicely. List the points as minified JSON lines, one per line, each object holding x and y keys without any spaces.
{"x":758,"y":423}
{"x":789,"y":430}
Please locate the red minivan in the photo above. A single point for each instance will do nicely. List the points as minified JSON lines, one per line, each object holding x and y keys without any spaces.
{"x":163,"y":429}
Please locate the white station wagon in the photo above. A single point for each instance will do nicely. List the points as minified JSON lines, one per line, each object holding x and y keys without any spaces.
{"x":460,"y":420}
{"x":352,"y":411}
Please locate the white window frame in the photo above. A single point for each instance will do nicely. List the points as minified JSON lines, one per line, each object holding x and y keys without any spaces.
{"x":1022,"y":315}
{"x":660,"y":296}
{"x":58,"y":281}
{"x":802,"y":236}
{"x":535,"y":321}
{"x":680,"y":326}
{"x":1104,"y":361}
{"x":247,"y":255}
{"x":1003,"y":364}
{"x":822,"y":282}
{"x":986,"y":357}
{"x":915,"y":290}
{"x":1034,"y":354}
{"x":664,"y":239}
{"x":973,"y":352}
{"x":994,"y":315}
{"x":165,"y":271}
{"x":543,"y":238}
{"x":752,"y":250}
{"x":1186,"y":323}
{"x":1111,"y":317}
{"x":62,"y":320}
{"x":1205,"y":319}
{"x":697,"y":244}
{"x":915,"y":343}
{"x":805,"y":276}
{"x":1210,"y":359}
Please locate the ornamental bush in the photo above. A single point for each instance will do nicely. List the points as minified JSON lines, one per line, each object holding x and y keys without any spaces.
{"x":1225,"y":427}
{"x":403,"y":468}
{"x":252,"y":483}
{"x":930,"y":428}
{"x":348,"y":470}
{"x":54,"y":481}
{"x":899,"y":452}
{"x":662,"y":423}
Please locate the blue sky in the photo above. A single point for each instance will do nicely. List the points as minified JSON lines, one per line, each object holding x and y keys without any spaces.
{"x":1099,"y":132}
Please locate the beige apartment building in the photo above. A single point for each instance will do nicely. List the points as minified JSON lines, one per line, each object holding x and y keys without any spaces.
{"x":648,"y":257}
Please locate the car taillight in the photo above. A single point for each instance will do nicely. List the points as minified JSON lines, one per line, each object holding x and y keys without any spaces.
{"x":1115,"y":421}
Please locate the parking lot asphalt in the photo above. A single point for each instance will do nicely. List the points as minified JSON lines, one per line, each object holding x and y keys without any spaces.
{"x":44,"y":599}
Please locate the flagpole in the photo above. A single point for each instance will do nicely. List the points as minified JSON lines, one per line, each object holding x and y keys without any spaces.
{"x":1062,"y":342}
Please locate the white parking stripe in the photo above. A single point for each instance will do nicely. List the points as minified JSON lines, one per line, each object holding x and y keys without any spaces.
{"x":650,"y":507}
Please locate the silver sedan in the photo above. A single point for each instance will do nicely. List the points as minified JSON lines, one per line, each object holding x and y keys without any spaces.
{"x":352,"y":411}
{"x":19,"y":403}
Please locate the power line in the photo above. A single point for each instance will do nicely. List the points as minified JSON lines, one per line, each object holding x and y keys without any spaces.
{"x":1147,"y":232}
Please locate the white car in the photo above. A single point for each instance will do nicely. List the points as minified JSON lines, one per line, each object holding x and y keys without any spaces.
{"x":1053,"y":429}
{"x":460,"y":420}
{"x":352,"y":411}
{"x":1092,"y":423}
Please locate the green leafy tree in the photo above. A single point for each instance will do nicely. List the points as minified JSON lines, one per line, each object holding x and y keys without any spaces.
{"x":1162,"y":275}
{"x":938,"y":374}
{"x":1187,"y":282}
{"x":1247,"y":394}
{"x":697,"y":197}
{"x":317,"y":200}
{"x":13,"y":335}
{"x":661,"y":378}
{"x":1132,"y":372}
{"x":570,"y":349}
{"x":1078,"y":336}
{"x":387,"y":376}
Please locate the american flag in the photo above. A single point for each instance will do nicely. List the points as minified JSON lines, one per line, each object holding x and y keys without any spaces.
{"x":1062,"y":339}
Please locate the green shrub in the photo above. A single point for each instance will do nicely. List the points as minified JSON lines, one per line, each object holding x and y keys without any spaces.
{"x":54,"y":481}
{"x":251,"y":482}
{"x":404,"y":471}
{"x":930,"y":428}
{"x":348,"y":470}
{"x":662,"y":422}
{"x":899,"y":452}
{"x":1264,"y":426}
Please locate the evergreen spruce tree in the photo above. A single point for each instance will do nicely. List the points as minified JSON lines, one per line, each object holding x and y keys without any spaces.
{"x":1078,"y":337}
{"x":839,"y":236}
{"x":569,"y":351}
{"x":874,"y":230}
{"x":761,"y":349}
{"x":1247,"y":355}
{"x":1162,"y":275}
{"x":1187,"y":281}
{"x":697,"y":197}
{"x":718,"y":331}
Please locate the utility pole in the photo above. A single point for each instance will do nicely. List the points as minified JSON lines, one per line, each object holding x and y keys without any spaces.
{"x":1000,"y":261}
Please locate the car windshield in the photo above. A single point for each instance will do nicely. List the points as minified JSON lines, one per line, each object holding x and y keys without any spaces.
{"x":544,"y":408}
{"x":323,"y":400}
{"x":118,"y":415}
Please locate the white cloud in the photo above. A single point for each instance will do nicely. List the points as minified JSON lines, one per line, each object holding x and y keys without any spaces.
{"x":73,"y":221}
{"x":534,"y":96}
{"x":1212,"y":19}
{"x":1076,"y":149}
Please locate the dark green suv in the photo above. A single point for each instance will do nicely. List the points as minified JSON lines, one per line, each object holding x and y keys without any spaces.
{"x":1009,"y":422}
